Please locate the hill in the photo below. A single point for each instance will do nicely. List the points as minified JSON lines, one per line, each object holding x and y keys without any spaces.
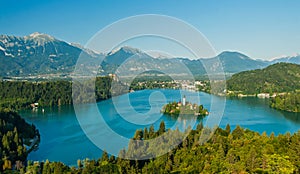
{"x":234,"y":62}
{"x":277,"y":78}
{"x":15,"y":134}
{"x":287,"y":102}
{"x":19,"y":95}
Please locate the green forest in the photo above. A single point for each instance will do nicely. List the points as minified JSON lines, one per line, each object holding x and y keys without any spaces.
{"x":277,"y":78}
{"x":18,"y":94}
{"x":228,"y":151}
{"x":287,"y":102}
{"x":14,"y":133}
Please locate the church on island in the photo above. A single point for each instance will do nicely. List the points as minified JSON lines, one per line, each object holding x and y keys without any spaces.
{"x":184,"y":107}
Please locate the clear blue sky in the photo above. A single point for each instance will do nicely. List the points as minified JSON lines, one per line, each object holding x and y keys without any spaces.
{"x":258,"y":28}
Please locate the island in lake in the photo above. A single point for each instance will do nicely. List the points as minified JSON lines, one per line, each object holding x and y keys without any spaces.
{"x":185,"y":108}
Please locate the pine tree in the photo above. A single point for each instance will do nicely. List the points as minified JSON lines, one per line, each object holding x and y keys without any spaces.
{"x":79,"y":164}
{"x":162,"y":128}
{"x":151,"y":132}
{"x":228,"y":129}
{"x":146,"y":134}
{"x":104,"y":156}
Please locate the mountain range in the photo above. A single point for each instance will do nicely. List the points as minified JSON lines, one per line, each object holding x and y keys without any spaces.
{"x":43,"y":54}
{"x":36,"y":54}
{"x":288,"y":59}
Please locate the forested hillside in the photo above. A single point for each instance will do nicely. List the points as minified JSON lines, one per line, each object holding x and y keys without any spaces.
{"x":287,"y":102}
{"x":237,"y":151}
{"x":15,"y":133}
{"x":17,"y":95}
{"x":277,"y":78}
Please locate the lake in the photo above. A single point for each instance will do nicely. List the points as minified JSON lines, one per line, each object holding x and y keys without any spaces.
{"x":63,"y":139}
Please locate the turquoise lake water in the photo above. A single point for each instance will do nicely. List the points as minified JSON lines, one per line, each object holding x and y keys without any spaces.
{"x":62,"y":138}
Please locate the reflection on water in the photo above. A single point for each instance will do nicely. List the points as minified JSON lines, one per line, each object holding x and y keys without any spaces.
{"x":264,"y":103}
{"x":295,"y":117}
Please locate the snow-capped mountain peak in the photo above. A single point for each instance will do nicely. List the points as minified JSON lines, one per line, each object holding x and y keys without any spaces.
{"x":125,"y":49}
{"x":39,"y":38}
{"x":295,"y":58}
{"x":40,"y":35}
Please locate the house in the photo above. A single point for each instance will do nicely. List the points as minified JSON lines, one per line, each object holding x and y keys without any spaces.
{"x":34,"y":105}
{"x":263,"y":95}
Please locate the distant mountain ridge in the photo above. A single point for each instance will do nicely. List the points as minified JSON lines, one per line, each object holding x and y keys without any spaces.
{"x":288,"y":59}
{"x":234,"y":62}
{"x":40,"y":53}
